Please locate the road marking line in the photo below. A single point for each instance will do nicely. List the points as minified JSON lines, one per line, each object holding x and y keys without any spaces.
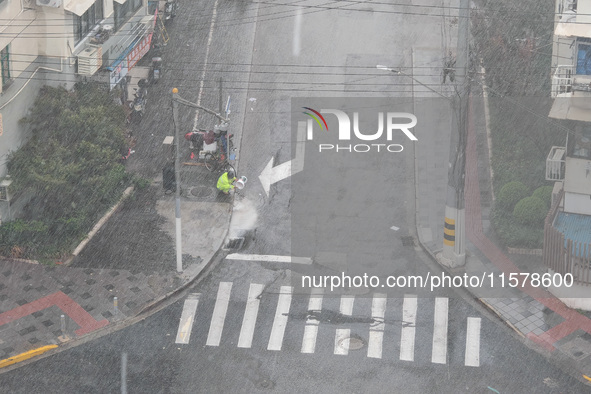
{"x":280,"y":321}
{"x":269,"y":258}
{"x":407,"y":336}
{"x":439,"y":354}
{"x":341,"y":340}
{"x":297,"y":32}
{"x":376,"y":330}
{"x":187,"y":317}
{"x":472,"y":358}
{"x":214,"y":15}
{"x":219,"y":314}
{"x":311,"y":328}
{"x":250,"y":315}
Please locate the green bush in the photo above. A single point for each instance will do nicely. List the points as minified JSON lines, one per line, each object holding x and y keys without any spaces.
{"x":530,"y":211}
{"x":510,"y":194}
{"x":70,"y":168}
{"x":514,"y":234}
{"x":544,"y":193}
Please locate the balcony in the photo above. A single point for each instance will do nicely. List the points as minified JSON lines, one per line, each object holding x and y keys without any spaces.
{"x":555,"y":164}
{"x":562,"y":80}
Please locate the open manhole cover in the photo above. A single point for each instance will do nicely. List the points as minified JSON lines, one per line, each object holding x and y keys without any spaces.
{"x":234,"y":243}
{"x":408,"y":240}
{"x":353,"y":342}
{"x":201,"y":191}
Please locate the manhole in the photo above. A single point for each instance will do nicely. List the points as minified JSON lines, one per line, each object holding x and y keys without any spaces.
{"x":201,"y":191}
{"x":355,"y":343}
{"x":408,"y":240}
{"x":234,"y":243}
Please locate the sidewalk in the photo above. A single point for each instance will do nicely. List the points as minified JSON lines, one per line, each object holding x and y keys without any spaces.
{"x":127,"y":267}
{"x":561,"y":333}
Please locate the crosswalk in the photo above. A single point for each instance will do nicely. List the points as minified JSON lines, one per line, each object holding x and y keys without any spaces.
{"x":383,"y":324}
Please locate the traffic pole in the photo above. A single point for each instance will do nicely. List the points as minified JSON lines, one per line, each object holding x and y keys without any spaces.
{"x":177,"y":175}
{"x":454,"y":236}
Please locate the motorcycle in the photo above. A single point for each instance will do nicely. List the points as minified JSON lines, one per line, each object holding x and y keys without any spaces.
{"x":138,"y":105}
{"x":155,"y":69}
{"x":170,"y":9}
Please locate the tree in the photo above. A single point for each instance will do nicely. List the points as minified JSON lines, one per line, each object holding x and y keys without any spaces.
{"x":71,"y":164}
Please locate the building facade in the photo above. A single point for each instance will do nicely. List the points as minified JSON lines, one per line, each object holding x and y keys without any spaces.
{"x":57,"y":43}
{"x":567,"y":230}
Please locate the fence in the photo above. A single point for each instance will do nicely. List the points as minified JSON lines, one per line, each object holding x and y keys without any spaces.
{"x":565,"y":256}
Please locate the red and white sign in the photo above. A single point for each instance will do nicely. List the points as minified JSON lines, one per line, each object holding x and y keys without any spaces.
{"x":139,"y":51}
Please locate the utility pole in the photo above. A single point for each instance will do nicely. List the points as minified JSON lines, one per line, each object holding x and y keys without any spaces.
{"x":176,"y":99}
{"x":454,"y":232}
{"x":177,"y":181}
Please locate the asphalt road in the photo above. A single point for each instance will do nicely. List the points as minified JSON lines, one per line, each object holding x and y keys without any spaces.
{"x":157,"y":364}
{"x":269,"y":54}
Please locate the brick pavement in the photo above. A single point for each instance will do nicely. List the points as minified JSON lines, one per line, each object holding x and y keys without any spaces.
{"x":33,"y":297}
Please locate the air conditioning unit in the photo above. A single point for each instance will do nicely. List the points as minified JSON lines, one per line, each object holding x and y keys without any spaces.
{"x":4,"y":189}
{"x":90,"y":60}
{"x":50,"y":3}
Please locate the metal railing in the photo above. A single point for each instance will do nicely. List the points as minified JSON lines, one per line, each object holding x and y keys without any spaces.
{"x":555,"y":163}
{"x":565,"y":256}
{"x":562,"y":79}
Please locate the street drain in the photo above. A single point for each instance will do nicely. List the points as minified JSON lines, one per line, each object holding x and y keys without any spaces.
{"x":354,"y":343}
{"x":234,"y":243}
{"x":408,"y":240}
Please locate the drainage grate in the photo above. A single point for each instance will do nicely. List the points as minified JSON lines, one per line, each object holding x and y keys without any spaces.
{"x":234,"y":243}
{"x":408,"y":240}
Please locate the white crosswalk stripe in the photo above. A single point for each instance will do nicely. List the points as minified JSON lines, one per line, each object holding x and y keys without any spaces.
{"x":187,"y":317}
{"x":250,"y":315}
{"x":311,"y":328}
{"x":341,"y":340}
{"x":376,"y":330}
{"x":472,"y":355}
{"x":439,"y":354}
{"x":409,"y":320}
{"x":280,"y":321}
{"x":219,"y":314}
{"x":380,"y":324}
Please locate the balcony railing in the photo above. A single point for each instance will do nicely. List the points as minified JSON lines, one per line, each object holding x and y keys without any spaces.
{"x":555,"y":163}
{"x":562,"y":80}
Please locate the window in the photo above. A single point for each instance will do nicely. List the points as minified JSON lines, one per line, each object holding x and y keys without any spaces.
{"x":85,"y":23}
{"x":123,"y":12}
{"x":5,"y":65}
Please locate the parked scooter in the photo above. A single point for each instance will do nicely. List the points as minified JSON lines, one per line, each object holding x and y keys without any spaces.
{"x":138,"y":105}
{"x":154,"y":75}
{"x":170,"y":9}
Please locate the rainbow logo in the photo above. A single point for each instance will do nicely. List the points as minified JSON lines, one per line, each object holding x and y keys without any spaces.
{"x":316,"y":118}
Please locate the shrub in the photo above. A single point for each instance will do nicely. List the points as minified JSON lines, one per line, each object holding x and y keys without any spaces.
{"x":544,"y":193}
{"x":514,"y":234}
{"x":510,"y":194}
{"x":530,"y":211}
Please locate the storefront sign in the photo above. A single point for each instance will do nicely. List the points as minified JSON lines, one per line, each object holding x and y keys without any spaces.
{"x":139,"y":51}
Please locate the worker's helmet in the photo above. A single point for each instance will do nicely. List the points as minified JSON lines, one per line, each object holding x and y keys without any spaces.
{"x":231,"y":174}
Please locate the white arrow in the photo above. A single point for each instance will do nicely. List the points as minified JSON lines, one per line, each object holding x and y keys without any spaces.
{"x":272,"y":174}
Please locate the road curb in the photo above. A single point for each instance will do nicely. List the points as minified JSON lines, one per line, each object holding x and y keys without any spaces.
{"x":26,"y":355}
{"x":126,"y":193}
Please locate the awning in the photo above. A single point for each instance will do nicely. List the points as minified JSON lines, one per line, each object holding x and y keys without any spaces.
{"x":78,"y":7}
{"x":575,"y":23}
{"x":567,"y":107}
{"x":121,"y":1}
{"x":573,"y":29}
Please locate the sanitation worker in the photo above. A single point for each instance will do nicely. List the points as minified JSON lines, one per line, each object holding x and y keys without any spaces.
{"x":226,"y":182}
